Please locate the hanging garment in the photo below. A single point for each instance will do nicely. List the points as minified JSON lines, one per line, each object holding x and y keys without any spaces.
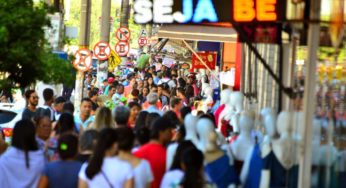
{"x":222,"y":173}
{"x":279,"y":175}
{"x":254,"y":176}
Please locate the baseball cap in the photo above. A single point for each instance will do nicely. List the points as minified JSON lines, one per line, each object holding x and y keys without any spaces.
{"x":110,"y":80}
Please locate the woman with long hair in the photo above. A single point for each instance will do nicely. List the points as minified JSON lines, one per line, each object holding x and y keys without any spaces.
{"x":23,"y":162}
{"x":189,"y":173}
{"x":142,"y":133}
{"x":142,"y":172}
{"x":103,"y":119}
{"x":104,"y":168}
{"x":64,"y":125}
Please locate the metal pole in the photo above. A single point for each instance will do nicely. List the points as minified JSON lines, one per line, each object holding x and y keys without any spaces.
{"x":309,"y":96}
{"x":105,"y":30}
{"x":84,"y":35}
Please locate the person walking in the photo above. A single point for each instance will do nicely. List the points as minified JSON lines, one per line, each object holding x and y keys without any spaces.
{"x":154,"y":151}
{"x":22,"y":163}
{"x":48,"y":96}
{"x":64,"y":125}
{"x":103,"y":119}
{"x":31,"y":105}
{"x":142,"y":172}
{"x":152,"y":99}
{"x":84,"y":118}
{"x":104,"y":168}
{"x":55,"y":173}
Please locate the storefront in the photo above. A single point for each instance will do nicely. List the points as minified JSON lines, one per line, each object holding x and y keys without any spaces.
{"x":273,"y":74}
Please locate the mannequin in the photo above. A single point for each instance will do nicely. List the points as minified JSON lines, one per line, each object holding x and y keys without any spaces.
{"x":204,"y":128}
{"x":244,"y":144}
{"x":316,"y":143}
{"x":208,"y":94}
{"x":190,"y":122}
{"x":236,"y":102}
{"x":280,"y":157}
{"x":224,"y":99}
{"x":217,"y":167}
{"x":253,"y":163}
{"x":298,"y":129}
{"x":269,"y":123}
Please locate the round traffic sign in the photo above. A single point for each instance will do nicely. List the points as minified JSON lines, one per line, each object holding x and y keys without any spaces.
{"x":122,"y":48}
{"x":123,"y":34}
{"x":102,"y":50}
{"x":83,"y":60}
{"x":142,"y":41}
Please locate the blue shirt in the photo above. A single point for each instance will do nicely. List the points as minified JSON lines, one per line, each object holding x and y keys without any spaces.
{"x":79,"y":122}
{"x":62,"y":174}
{"x":222,"y":173}
{"x":153,"y":109}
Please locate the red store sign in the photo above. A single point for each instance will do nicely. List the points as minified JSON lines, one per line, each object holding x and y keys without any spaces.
{"x":209,"y":58}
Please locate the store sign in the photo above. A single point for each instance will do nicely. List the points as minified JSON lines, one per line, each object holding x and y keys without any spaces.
{"x":208,"y":11}
{"x":209,"y":58}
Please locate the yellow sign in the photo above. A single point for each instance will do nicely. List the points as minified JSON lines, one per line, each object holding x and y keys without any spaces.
{"x":113,"y":60}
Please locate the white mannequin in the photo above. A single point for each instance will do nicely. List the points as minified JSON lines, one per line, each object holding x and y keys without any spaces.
{"x":316,"y":143}
{"x":224,"y":100}
{"x":234,"y":110}
{"x":298,"y":128}
{"x":204,"y":128}
{"x":213,"y":152}
{"x":243,"y":144}
{"x":269,"y":123}
{"x":285,"y":148}
{"x":268,"y":120}
{"x":190,"y":122}
{"x":208,"y":93}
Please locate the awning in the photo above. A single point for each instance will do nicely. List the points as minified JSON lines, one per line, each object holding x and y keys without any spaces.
{"x":198,"y":33}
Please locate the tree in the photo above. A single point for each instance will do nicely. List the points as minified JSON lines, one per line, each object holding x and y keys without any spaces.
{"x":25,"y":56}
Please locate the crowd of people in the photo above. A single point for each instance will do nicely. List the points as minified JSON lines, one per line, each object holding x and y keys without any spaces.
{"x":119,"y":137}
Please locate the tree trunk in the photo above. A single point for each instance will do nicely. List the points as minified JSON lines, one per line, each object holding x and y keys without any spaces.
{"x":125,"y":13}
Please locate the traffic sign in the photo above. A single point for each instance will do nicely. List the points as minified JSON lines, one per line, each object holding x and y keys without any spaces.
{"x":143,"y":33}
{"x":122,"y":48}
{"x":83,"y":60}
{"x":113,"y":60}
{"x":102,"y":50}
{"x":142,"y":41}
{"x":123,"y":34}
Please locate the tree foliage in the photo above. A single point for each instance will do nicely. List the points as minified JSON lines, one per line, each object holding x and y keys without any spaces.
{"x":25,"y":56}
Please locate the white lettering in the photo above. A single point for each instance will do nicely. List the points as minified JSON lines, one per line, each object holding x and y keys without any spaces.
{"x":163,"y":11}
{"x":143,"y":13}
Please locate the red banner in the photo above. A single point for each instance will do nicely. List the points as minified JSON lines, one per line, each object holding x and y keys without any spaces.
{"x":209,"y":58}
